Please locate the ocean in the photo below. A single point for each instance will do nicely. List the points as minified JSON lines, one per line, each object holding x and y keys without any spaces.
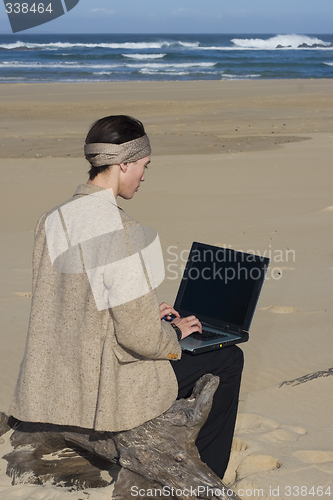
{"x":72,"y":58}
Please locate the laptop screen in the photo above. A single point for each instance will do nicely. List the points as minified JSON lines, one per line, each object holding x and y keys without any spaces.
{"x":221,"y":286}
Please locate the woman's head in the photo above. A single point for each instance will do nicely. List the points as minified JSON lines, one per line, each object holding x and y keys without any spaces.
{"x":121,"y":142}
{"x":118,"y":129}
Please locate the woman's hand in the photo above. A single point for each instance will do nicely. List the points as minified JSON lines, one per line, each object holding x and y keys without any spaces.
{"x":188,"y":325}
{"x":166,"y":310}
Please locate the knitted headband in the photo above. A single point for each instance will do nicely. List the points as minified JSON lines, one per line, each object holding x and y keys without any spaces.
{"x":114,"y":154}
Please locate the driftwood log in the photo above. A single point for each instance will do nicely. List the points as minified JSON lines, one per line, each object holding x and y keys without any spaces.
{"x":158,"y":454}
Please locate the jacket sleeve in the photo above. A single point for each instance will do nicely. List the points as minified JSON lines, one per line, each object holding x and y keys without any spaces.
{"x":139,"y":329}
{"x":133,"y":303}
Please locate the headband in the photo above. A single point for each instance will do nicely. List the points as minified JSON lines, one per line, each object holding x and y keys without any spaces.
{"x":114,"y":154}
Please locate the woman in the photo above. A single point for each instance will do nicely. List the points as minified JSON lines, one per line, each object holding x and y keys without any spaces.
{"x":97,"y":354}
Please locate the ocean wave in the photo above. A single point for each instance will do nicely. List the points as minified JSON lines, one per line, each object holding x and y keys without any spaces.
{"x":144,"y":56}
{"x":329,"y":64}
{"x":74,"y":65}
{"x":238,"y":77}
{"x":11,"y":78}
{"x":201,"y":47}
{"x":67,"y":45}
{"x":105,"y":73}
{"x":147,"y":71}
{"x":175,"y":65}
{"x":119,"y":45}
{"x":189,"y":44}
{"x":229,"y":48}
{"x":225,"y":48}
{"x":292,"y":41}
{"x":64,"y":65}
{"x":69,"y":65}
{"x":285,"y":41}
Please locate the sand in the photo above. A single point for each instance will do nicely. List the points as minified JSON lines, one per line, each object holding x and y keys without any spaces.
{"x":242,"y":163}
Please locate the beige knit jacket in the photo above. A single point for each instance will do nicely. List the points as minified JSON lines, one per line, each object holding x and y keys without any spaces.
{"x":107,"y":369}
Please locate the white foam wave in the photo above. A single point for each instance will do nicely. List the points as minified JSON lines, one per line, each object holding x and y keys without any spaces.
{"x":73,"y":65}
{"x":189,"y":44}
{"x":144,"y":56}
{"x":234,"y":49}
{"x":218,"y":48}
{"x":65,"y":45}
{"x":231,"y":48}
{"x":123,"y":45}
{"x":238,"y":77}
{"x":168,"y":66}
{"x":329,"y":64}
{"x":288,"y":41}
{"x":147,"y":71}
{"x":65,"y":65}
{"x":107,"y":73}
{"x":12,"y":78}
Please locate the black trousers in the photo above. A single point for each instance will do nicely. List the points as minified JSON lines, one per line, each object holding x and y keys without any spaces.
{"x":215,"y":437}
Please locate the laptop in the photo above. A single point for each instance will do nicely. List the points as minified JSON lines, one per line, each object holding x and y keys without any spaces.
{"x":221,"y":287}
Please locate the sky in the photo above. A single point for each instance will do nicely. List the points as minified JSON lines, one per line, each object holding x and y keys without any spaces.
{"x":189,"y":16}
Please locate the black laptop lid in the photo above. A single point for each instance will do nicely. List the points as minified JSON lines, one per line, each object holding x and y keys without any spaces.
{"x":221,"y":286}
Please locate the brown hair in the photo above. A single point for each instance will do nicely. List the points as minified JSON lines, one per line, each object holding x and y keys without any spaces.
{"x":115,"y":129}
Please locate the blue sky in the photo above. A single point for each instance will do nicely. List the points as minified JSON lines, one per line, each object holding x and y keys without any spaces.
{"x":190,"y":16}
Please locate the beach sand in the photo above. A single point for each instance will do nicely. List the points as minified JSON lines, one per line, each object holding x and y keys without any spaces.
{"x":243,"y":163}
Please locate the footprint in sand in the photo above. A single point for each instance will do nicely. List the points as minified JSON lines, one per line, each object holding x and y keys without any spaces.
{"x":314,"y":456}
{"x":230,"y":475}
{"x":22,"y":294}
{"x":249,"y":422}
{"x":284,"y":434}
{"x":325,"y":467}
{"x":236,"y":457}
{"x":239,"y":445}
{"x":257,"y":463}
{"x":298,"y":430}
{"x":280,"y":309}
{"x":242,"y":462}
{"x":270,"y":429}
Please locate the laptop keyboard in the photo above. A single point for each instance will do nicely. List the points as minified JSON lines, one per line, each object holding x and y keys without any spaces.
{"x":207,"y":335}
